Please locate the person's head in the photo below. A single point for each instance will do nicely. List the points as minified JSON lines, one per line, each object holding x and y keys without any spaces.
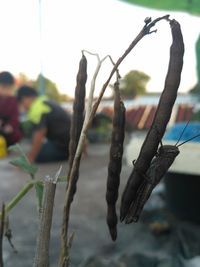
{"x":7,"y":83}
{"x":25,"y":96}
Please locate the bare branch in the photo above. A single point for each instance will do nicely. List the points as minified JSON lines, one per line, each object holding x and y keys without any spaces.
{"x":43,"y":239}
{"x":146,"y":30}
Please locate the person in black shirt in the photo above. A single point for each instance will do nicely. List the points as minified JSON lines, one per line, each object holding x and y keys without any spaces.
{"x":51,"y":126}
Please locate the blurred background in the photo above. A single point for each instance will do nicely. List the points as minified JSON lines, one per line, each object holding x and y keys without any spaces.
{"x":47,"y":37}
{"x":41,"y":44}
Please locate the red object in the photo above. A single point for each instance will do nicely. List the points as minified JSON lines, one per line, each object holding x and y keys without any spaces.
{"x":9,"y":116}
{"x":189,"y":112}
{"x":138,"y":115}
{"x":150,"y":118}
{"x":180,"y":114}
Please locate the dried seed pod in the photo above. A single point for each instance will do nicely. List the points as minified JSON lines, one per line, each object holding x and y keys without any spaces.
{"x":115,"y":163}
{"x":162,"y":116}
{"x":159,"y":166}
{"x":77,"y":118}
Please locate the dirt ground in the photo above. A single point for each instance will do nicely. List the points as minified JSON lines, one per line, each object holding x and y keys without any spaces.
{"x":92,"y":244}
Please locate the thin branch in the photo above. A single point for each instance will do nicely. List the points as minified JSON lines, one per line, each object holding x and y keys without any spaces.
{"x":92,"y":54}
{"x":19,"y":196}
{"x":146,"y":30}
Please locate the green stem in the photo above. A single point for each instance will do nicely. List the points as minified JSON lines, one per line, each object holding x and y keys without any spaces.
{"x":19,"y":196}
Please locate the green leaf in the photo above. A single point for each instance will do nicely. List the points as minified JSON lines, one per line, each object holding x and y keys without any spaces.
{"x":24,"y":165}
{"x":22,"y":161}
{"x":39,"y":188}
{"x":15,"y":148}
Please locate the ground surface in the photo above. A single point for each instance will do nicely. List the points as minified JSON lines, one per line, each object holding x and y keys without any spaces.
{"x":136,"y":246}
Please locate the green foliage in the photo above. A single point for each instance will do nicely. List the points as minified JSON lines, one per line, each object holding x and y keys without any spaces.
{"x":22,"y":161}
{"x":134,"y":83}
{"x":51,"y":89}
{"x":191,"y":6}
{"x":23,"y":164}
{"x":196,"y":90}
{"x":198,"y":59}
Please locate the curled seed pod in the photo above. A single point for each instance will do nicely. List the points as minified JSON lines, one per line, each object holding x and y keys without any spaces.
{"x":77,"y":118}
{"x":115,"y":163}
{"x":162,"y":116}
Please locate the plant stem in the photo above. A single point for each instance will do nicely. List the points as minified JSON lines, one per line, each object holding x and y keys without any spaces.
{"x":43,"y":239}
{"x":19,"y":196}
{"x":64,"y":255}
{"x":146,"y":30}
{"x":90,"y":113}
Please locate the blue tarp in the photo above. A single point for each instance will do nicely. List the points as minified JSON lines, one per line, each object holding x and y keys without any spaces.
{"x":192,"y":129}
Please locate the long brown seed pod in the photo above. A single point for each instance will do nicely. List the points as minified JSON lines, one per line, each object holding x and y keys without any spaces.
{"x":77,"y":119}
{"x":78,"y":108}
{"x":162,"y":116}
{"x":115,"y":163}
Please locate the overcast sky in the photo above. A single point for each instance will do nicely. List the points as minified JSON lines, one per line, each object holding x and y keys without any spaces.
{"x":101,"y":26}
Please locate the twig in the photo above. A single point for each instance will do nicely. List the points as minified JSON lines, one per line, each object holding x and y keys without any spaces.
{"x":19,"y":196}
{"x":90,"y":113}
{"x":146,"y":30}
{"x":64,"y":256}
{"x":8,"y":234}
{"x":1,"y":234}
{"x":43,"y":239}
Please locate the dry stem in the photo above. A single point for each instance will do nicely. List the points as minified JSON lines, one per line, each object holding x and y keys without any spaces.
{"x":90,"y":113}
{"x":43,"y":239}
{"x":64,"y":256}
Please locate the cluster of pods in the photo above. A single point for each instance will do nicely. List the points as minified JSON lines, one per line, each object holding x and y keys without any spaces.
{"x":152,"y":162}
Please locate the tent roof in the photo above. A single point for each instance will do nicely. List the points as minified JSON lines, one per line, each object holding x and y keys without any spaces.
{"x":191,"y":6}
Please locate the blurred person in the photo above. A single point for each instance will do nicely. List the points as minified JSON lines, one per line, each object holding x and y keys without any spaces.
{"x":9,"y":114}
{"x":50,"y":125}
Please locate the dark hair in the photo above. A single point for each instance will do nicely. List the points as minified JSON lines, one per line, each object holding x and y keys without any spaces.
{"x":25,"y":91}
{"x":6,"y":78}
